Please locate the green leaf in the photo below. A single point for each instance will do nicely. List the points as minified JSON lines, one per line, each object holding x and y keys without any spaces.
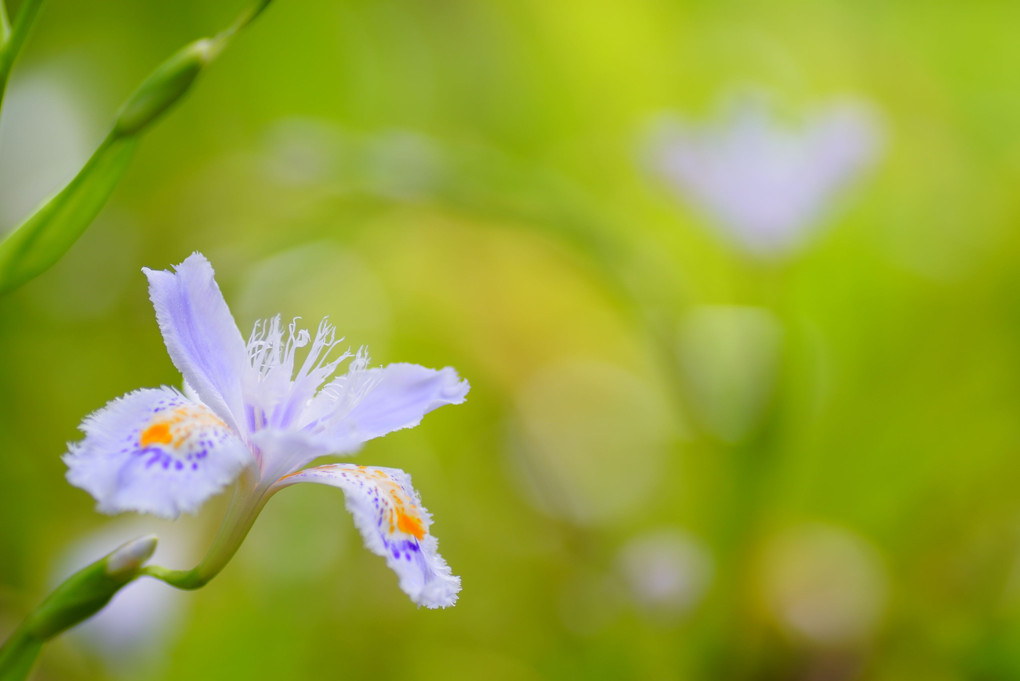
{"x":43,"y":238}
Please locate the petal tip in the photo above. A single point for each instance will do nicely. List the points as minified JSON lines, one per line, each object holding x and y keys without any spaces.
{"x":440,"y":593}
{"x":455,"y":389}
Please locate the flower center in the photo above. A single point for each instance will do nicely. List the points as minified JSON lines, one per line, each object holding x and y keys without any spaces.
{"x":275,"y":392}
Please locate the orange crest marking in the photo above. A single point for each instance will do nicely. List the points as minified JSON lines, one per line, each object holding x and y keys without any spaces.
{"x":411,"y":524}
{"x":176,"y":426}
{"x":158,"y":433}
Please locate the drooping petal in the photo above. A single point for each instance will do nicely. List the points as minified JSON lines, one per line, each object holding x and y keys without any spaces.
{"x":394,"y":524}
{"x":200,"y":334}
{"x":155,"y":451}
{"x":373,"y":402}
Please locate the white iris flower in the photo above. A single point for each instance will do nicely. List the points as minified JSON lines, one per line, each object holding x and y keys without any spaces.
{"x":245,"y":414}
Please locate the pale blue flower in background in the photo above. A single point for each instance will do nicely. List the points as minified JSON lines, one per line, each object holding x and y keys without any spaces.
{"x":246,"y":415}
{"x":667,"y":572}
{"x":763,"y":184}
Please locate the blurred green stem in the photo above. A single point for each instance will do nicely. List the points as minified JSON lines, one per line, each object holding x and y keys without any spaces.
{"x":12,"y":37}
{"x":735,"y":646}
{"x":18,"y":654}
{"x":246,"y":17}
{"x":44,"y":237}
{"x":5,"y":25}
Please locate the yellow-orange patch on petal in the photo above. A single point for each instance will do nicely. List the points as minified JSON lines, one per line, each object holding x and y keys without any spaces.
{"x":177,"y":426}
{"x":157,"y":433}
{"x":410,"y":524}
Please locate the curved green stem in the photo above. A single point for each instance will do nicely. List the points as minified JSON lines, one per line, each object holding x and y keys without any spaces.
{"x":43,"y":238}
{"x":12,"y":37}
{"x":248,"y":500}
{"x":246,"y":17}
{"x":5,"y":25}
{"x":18,"y":654}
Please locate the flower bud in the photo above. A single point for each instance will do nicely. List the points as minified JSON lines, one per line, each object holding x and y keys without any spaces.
{"x":129,"y":558}
{"x":164,"y":87}
{"x":86,"y":592}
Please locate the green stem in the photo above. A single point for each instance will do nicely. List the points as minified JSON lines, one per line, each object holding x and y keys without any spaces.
{"x":18,"y":654}
{"x":78,"y":598}
{"x":248,"y":500}
{"x":5,"y":25}
{"x":735,"y":647}
{"x":44,"y":237}
{"x":246,"y":17}
{"x":14,"y":37}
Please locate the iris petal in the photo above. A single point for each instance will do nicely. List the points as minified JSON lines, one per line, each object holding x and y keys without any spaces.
{"x":388,"y":512}
{"x":200,"y":334}
{"x":155,"y":451}
{"x":373,"y":402}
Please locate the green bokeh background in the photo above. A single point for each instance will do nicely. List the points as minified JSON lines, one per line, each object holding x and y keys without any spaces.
{"x":458,"y":182}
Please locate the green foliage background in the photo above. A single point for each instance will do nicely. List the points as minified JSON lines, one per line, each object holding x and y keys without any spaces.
{"x":459,"y":183}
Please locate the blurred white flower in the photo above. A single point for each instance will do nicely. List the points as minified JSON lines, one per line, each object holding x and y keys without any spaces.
{"x":404,"y":165}
{"x":824,"y":583}
{"x":304,"y":151}
{"x":766,"y":185}
{"x":667,"y":572}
